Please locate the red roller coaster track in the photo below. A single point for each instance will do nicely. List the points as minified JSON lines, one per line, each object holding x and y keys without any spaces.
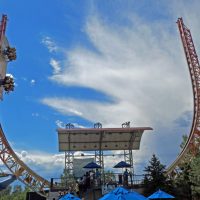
{"x":19,"y":168}
{"x":39,"y":184}
{"x":3,"y":27}
{"x":193,"y":142}
{"x":7,"y":155}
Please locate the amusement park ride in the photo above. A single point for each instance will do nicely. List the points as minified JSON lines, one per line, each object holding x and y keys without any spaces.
{"x":193,"y":143}
{"x":96,"y":139}
{"x":6,"y":54}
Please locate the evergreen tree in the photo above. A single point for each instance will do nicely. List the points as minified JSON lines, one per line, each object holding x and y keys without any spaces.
{"x":155,"y":178}
{"x":182,"y":182}
{"x":17,"y":193}
{"x":187,"y":181}
{"x":194,"y":176}
{"x":109,"y":175}
{"x":5,"y":192}
{"x":184,"y":140}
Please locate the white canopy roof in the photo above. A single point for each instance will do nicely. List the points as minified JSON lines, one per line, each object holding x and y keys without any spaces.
{"x":92,"y":139}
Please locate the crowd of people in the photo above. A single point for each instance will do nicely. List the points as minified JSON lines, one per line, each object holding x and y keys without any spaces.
{"x":10,"y":53}
{"x":92,"y":179}
{"x":8,"y":84}
{"x":89,"y":179}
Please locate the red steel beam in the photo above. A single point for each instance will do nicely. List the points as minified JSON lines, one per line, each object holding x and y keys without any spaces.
{"x":193,"y":142}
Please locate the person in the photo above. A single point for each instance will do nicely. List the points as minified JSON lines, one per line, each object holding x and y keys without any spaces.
{"x":131,"y":177}
{"x":92,"y":174}
{"x":87,"y":180}
{"x":126,"y":177}
{"x":11,"y":53}
{"x":81,"y":185}
{"x":120,"y":179}
{"x":84,"y":188}
{"x":77,"y":188}
{"x":98,"y":177}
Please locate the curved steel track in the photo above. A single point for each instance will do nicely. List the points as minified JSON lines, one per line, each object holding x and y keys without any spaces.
{"x":193,"y":143}
{"x":7,"y":155}
{"x":19,"y":168}
{"x":39,"y":184}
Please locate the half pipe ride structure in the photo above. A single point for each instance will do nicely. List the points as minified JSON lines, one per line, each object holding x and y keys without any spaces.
{"x":16,"y":166}
{"x":22,"y":172}
{"x":193,"y":143}
{"x":7,"y":54}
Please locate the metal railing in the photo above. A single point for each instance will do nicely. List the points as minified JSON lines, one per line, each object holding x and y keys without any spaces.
{"x":114,"y":179}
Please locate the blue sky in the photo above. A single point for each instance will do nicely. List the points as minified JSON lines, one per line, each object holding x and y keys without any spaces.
{"x":92,"y":61}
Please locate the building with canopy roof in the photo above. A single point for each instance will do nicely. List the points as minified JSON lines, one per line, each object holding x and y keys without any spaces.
{"x":99,"y":140}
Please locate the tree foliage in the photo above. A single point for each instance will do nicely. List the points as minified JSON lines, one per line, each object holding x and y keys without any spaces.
{"x":109,"y":175}
{"x":182,"y":183}
{"x":15,"y":193}
{"x":194,"y":176}
{"x":187,"y":181}
{"x":155,"y":178}
{"x":184,"y":140}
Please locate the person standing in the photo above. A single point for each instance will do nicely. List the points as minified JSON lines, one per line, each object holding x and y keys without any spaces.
{"x":77,"y":188}
{"x":98,"y":177}
{"x":126,"y":177}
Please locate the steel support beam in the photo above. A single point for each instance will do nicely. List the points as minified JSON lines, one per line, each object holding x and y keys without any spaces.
{"x":69,"y":155}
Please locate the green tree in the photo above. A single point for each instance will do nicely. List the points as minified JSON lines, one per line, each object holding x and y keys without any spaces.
{"x":187,"y":181}
{"x":109,"y":176}
{"x":15,"y":193}
{"x":155,"y":178}
{"x":67,"y":180}
{"x":194,"y":176}
{"x":184,"y":140}
{"x":5,"y":192}
{"x":182,"y":182}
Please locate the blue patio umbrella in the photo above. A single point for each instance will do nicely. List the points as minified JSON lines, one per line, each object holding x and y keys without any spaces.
{"x":122,"y":164}
{"x":160,"y":195}
{"x":92,"y":165}
{"x":114,"y":194}
{"x":134,"y":196}
{"x":109,"y":196}
{"x":69,"y":197}
{"x":119,"y":190}
{"x":122,"y":194}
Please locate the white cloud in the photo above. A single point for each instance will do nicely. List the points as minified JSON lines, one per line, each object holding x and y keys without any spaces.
{"x":60,"y":124}
{"x":55,"y":65}
{"x":50,"y":44}
{"x":142,"y":67}
{"x":61,"y":106}
{"x":32,"y":82}
{"x":24,"y":78}
{"x":35,"y":114}
{"x":52,"y":165}
{"x":45,"y":164}
{"x":76,"y":125}
{"x":134,"y":67}
{"x":82,"y":154}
